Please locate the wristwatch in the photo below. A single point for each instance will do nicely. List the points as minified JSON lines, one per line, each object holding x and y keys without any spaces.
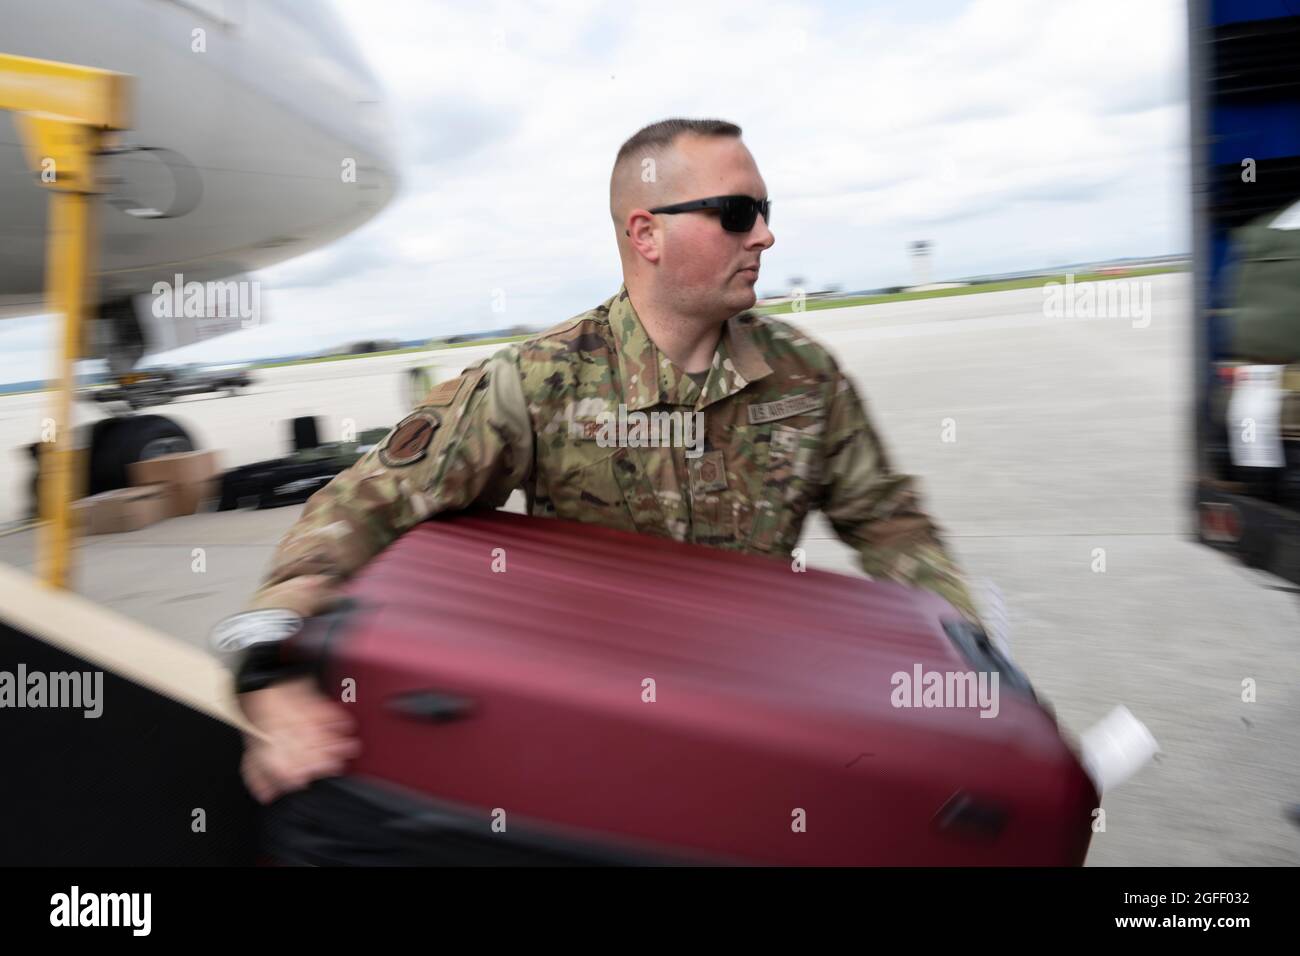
{"x":256,"y":640}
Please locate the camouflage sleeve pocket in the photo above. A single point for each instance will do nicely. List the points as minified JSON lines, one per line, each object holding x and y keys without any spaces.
{"x":638,"y":495}
{"x":791,"y":474}
{"x":600,"y":486}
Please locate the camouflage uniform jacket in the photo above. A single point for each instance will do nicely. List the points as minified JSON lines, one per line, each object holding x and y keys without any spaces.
{"x":784,"y":433}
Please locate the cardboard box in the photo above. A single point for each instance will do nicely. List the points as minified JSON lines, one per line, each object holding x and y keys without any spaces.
{"x":211,"y":492}
{"x":123,"y":509}
{"x":186,"y":476}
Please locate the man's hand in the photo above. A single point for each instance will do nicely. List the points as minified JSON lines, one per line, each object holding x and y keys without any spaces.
{"x":307,"y":736}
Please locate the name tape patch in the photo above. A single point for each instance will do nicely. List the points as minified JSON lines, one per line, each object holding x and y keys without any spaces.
{"x":785,"y":408}
{"x":585,"y":430}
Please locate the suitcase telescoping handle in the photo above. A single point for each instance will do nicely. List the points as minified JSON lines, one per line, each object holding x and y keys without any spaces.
{"x":976,"y":647}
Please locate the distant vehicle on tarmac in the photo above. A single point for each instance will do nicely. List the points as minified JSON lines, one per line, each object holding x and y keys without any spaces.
{"x":159,"y":385}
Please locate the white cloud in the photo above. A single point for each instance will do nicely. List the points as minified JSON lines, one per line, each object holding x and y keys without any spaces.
{"x":1015,"y":134}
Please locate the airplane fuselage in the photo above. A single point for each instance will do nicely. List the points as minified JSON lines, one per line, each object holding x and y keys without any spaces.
{"x":263,"y":107}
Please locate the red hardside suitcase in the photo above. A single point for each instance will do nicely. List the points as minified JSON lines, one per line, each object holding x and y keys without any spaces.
{"x":506,"y":714}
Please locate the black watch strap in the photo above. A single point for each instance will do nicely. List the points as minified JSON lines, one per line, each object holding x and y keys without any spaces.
{"x":262,"y":665}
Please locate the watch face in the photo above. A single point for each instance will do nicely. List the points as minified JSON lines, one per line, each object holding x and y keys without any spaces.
{"x":255,"y":627}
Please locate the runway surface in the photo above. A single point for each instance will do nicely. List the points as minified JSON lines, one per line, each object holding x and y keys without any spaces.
{"x":1072,"y":435}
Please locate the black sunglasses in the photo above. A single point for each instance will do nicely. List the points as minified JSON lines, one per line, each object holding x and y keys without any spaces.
{"x":738,"y":212}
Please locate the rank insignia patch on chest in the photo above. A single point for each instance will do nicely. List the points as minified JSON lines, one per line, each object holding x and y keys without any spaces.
{"x":709,"y":473}
{"x":410,"y":440}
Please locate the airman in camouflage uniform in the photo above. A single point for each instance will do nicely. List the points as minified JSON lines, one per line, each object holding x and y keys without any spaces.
{"x":775,"y":430}
{"x":784,"y":433}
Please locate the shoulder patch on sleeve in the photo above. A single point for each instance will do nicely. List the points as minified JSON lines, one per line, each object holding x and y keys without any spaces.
{"x":410,"y":440}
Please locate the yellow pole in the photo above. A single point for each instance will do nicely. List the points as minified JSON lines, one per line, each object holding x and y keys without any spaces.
{"x":67,"y":266}
{"x":62,"y":113}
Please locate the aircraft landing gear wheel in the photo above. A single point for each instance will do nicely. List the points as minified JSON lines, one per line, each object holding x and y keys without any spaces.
{"x":118,"y":442}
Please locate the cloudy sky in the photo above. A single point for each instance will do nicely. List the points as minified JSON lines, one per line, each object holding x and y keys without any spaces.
{"x":1014,"y":134}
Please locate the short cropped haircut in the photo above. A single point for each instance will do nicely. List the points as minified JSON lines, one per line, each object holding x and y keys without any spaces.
{"x":659,"y":136}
